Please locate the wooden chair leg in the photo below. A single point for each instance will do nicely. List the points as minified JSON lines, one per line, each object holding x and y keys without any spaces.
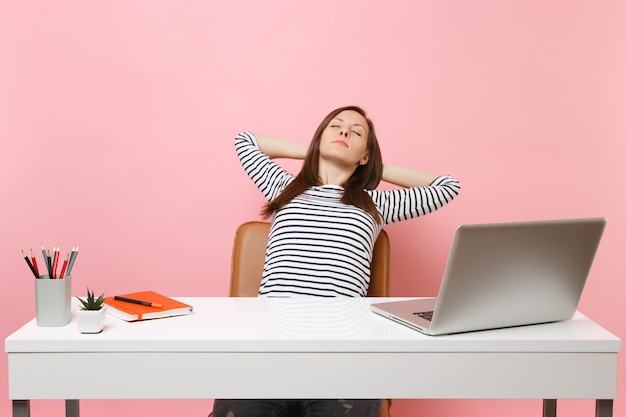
{"x":385,"y":410}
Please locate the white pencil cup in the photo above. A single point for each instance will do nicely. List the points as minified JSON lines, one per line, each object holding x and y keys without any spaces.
{"x":53,"y":300}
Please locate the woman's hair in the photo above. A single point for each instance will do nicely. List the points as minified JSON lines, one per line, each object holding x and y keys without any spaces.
{"x":365,"y":177}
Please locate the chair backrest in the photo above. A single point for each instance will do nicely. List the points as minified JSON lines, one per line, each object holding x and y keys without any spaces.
{"x":249,"y":256}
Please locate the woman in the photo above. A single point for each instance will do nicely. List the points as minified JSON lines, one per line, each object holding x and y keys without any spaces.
{"x":325,"y":223}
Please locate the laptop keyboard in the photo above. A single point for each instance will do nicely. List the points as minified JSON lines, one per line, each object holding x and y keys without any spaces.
{"x":427,"y":315}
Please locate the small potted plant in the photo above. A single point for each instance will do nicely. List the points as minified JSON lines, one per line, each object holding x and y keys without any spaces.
{"x":90,"y":317}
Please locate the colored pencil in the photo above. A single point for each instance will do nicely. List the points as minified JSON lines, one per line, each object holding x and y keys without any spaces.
{"x":46,"y":260}
{"x":32,"y":257}
{"x":73,"y":256}
{"x":49,"y":262}
{"x":62,"y":274}
{"x":30,"y":265}
{"x":55,"y":261}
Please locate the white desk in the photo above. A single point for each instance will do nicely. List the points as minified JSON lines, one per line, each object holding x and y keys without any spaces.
{"x":207,"y":354}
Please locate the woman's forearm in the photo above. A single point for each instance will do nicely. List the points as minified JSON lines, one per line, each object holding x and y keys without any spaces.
{"x":280,"y":148}
{"x":407,"y":177}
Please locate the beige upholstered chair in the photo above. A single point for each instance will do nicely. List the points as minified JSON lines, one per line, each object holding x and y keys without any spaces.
{"x":249,"y":256}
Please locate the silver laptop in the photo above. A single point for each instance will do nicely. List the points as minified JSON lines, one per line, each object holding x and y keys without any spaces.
{"x":506,"y":274}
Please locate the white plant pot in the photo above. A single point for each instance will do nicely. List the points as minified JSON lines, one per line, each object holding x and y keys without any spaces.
{"x":91,"y":321}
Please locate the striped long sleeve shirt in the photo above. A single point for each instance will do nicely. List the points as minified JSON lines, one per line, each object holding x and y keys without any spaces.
{"x":319,"y":246}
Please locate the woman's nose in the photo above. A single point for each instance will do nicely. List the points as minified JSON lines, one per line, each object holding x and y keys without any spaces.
{"x":344,"y":133}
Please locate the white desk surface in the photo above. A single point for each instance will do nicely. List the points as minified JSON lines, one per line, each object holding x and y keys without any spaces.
{"x":209,"y":353}
{"x":261,"y":324}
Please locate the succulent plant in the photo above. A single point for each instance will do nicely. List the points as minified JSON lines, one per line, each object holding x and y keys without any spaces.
{"x":91,"y":303}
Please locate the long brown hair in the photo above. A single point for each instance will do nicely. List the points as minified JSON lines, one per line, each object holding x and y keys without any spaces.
{"x":365,"y":177}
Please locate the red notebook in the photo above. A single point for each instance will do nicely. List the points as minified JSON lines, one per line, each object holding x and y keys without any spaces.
{"x":133,"y":312}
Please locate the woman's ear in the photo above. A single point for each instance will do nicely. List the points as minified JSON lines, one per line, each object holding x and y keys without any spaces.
{"x":365,"y":159}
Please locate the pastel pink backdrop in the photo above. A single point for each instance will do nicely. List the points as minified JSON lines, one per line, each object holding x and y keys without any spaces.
{"x":117,"y":119}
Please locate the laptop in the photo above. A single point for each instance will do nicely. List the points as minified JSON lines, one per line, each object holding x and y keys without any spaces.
{"x":504,"y":275}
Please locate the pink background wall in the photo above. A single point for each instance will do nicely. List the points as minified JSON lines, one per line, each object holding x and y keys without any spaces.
{"x":117,"y":119}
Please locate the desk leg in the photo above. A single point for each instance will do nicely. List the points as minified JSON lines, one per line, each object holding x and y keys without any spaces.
{"x":604,"y":408}
{"x":21,"y":408}
{"x":71,"y":408}
{"x":549,"y":408}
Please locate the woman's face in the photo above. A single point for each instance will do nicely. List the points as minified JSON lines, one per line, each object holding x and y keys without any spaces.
{"x":344,"y":140}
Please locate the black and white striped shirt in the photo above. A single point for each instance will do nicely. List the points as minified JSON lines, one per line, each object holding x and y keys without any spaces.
{"x":319,"y":246}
